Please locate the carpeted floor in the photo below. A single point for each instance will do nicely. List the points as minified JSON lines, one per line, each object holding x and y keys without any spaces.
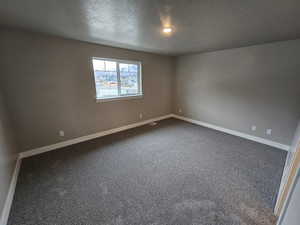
{"x":171,"y":173}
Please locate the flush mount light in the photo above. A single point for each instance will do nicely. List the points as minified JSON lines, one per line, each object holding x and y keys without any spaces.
{"x":167,"y":30}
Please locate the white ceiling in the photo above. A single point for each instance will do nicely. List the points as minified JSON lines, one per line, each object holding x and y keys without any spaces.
{"x":200,"y":25}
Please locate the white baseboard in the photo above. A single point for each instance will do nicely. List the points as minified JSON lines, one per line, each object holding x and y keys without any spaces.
{"x":11,"y":192}
{"x":13,"y":183}
{"x":9,"y":199}
{"x":235,"y":133}
{"x":88,"y":137}
{"x":115,"y":130}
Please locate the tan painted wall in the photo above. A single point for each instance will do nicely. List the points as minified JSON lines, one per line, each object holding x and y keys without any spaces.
{"x":50,"y":87}
{"x":238,"y":88}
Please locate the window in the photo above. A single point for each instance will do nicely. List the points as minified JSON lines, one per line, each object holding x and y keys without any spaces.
{"x":116,"y":79}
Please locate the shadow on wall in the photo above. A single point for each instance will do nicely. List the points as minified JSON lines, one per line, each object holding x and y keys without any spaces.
{"x":7,"y":155}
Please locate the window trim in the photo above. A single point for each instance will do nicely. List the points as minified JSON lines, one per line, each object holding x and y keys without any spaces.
{"x":120,"y":96}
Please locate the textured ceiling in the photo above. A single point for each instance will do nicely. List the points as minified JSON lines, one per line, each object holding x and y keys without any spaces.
{"x":199,"y":25}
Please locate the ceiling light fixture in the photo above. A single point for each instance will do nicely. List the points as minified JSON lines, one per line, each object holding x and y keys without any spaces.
{"x":167,"y":30}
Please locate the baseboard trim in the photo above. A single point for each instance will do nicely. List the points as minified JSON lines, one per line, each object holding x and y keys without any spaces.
{"x":13,"y":183}
{"x":11,"y":192}
{"x":88,"y":137}
{"x":235,"y":133}
{"x":115,"y":130}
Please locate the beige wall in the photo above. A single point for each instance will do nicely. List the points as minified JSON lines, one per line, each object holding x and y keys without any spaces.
{"x":7,"y":153}
{"x":237,"y":88}
{"x":50,"y":87}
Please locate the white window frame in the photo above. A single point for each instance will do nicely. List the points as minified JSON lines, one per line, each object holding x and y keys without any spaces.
{"x":120,"y":96}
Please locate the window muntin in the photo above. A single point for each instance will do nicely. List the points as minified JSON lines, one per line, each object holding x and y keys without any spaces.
{"x":116,"y":78}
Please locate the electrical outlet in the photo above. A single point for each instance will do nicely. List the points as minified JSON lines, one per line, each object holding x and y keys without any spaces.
{"x":253,"y":128}
{"x":141,"y":115}
{"x":61,"y":133}
{"x":269,"y":131}
{"x":180,"y":110}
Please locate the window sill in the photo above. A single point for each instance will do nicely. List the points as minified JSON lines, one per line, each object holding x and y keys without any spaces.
{"x":98,"y":100}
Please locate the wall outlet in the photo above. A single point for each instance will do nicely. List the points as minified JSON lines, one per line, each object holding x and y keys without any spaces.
{"x":61,"y":133}
{"x":141,"y":115}
{"x":269,"y":131}
{"x":253,"y":128}
{"x":180,"y":110}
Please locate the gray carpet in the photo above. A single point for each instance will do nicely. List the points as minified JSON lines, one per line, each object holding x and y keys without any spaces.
{"x":171,"y":173}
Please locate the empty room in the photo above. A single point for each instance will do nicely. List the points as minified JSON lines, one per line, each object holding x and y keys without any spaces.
{"x":149,"y":112}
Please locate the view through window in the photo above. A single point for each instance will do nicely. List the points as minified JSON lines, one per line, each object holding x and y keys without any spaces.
{"x":117,"y":78}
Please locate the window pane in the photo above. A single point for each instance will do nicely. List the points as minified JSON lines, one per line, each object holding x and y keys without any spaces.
{"x":110,"y":66}
{"x":98,"y":64}
{"x":106,"y":78}
{"x":123,"y":67}
{"x":113,"y":82}
{"x":129,"y":79}
{"x":133,"y":68}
